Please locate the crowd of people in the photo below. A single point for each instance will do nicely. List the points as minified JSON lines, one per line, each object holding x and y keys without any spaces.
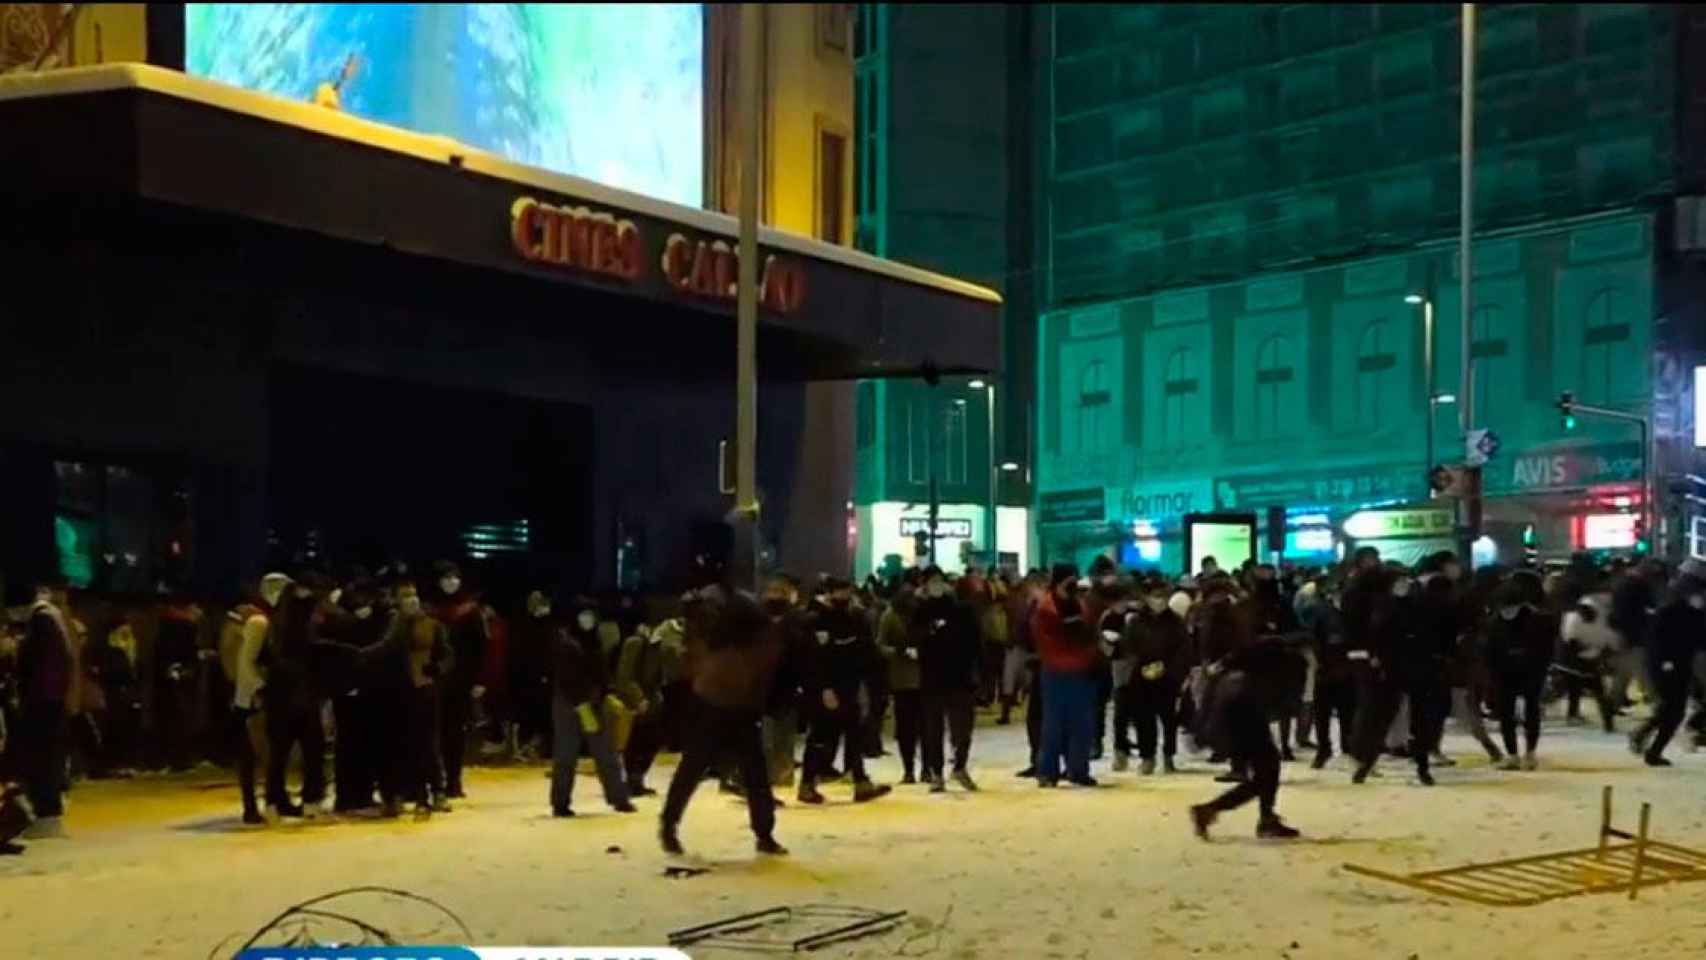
{"x":404,"y":681}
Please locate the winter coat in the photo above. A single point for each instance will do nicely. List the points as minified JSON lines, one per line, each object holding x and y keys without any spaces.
{"x":949,"y":644}
{"x":738,"y":656}
{"x":896,"y":644}
{"x":1588,"y":636}
{"x":1632,"y":604}
{"x":839,"y":653}
{"x":47,"y":657}
{"x":462,"y":617}
{"x":1431,"y":610}
{"x":1521,"y":644}
{"x":1677,"y":633}
{"x":531,"y":653}
{"x":1065,"y":640}
{"x":579,"y":674}
{"x":398,"y":662}
{"x":643,"y":670}
{"x":1152,"y":639}
{"x":1370,"y":616}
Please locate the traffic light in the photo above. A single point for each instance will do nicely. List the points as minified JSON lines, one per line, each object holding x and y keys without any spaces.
{"x":1642,"y":546}
{"x":1530,"y":549}
{"x":1567,"y":410}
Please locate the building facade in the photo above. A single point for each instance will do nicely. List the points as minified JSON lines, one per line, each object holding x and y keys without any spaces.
{"x":1226,"y":210}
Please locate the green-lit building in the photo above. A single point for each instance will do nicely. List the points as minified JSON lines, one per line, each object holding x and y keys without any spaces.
{"x":1226,"y":209}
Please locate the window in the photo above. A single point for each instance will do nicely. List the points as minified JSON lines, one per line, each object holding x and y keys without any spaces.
{"x":865,"y":414}
{"x":1375,"y":369}
{"x":917,"y":442}
{"x":1491,"y":352}
{"x":1276,"y":383}
{"x":834,"y":28}
{"x":1605,"y":336}
{"x":831,"y":185}
{"x":1180,"y":389}
{"x":955,"y":441}
{"x":1094,"y":402}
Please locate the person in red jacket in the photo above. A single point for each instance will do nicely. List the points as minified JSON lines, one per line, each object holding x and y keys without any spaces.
{"x":1066,"y":647}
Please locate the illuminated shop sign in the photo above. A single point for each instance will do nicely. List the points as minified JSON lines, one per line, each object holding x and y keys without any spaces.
{"x":710,"y":268}
{"x":945,"y":528}
{"x":1609,"y":531}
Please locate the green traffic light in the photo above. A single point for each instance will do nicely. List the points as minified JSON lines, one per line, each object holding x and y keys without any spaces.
{"x":1641,"y":546}
{"x":1569,"y":422}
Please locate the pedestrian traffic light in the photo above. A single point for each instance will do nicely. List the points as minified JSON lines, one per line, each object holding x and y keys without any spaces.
{"x":1567,"y":410}
{"x":1642,"y":546}
{"x":1530,"y":549}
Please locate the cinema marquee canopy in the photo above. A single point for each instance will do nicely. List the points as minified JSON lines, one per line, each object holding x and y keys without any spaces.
{"x":133,"y":140}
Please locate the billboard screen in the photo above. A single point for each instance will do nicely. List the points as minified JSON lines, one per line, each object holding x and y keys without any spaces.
{"x":1229,"y":538}
{"x":609,"y":92}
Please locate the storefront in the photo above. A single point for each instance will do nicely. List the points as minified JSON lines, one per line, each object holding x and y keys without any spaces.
{"x":278,"y":333}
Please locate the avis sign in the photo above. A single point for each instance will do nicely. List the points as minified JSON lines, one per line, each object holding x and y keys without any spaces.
{"x":1574,"y":468}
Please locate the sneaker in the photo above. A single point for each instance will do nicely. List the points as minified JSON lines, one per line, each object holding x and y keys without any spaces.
{"x":1027,"y":773}
{"x":625,"y":807}
{"x":938,"y":785}
{"x":808,"y":794}
{"x":45,"y":828}
{"x":1530,"y":762}
{"x":670,"y":843}
{"x":1654,"y":760}
{"x":455,"y":793}
{"x":442,"y":805}
{"x":641,"y":790}
{"x":1085,"y":782}
{"x":1321,"y":759}
{"x":1122,"y":761}
{"x":865,"y":791}
{"x":1362,"y":772}
{"x":1147,"y":767}
{"x":1167,"y":765}
{"x":253,"y":817}
{"x":1202,"y":817}
{"x":1286,"y":756}
{"x":1426,"y":778}
{"x":965,"y":781}
{"x":1494,"y":754}
{"x":1273,"y":828}
{"x":562,"y":813}
{"x":290,"y":810}
{"x":908,"y":778}
{"x":767,"y":846}
{"x":1512,"y":762}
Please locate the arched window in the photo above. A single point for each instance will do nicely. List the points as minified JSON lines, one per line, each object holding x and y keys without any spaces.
{"x":1276,"y":384}
{"x":1605,"y":335}
{"x":1376,"y":364}
{"x":1180,"y":389}
{"x":1094,"y":401}
{"x":1493,"y":386}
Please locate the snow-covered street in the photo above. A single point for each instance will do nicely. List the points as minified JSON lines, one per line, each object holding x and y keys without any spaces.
{"x":162,"y":868}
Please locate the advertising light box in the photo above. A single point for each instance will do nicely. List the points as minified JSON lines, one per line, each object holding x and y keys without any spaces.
{"x":608,"y":92}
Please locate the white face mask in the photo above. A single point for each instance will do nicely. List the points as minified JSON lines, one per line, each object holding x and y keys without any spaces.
{"x":410,"y":605}
{"x":450,"y":585}
{"x":334,"y":595}
{"x":1509,"y":613}
{"x":542,"y":611}
{"x":1401,"y":588}
{"x":586,"y":620}
{"x":362,"y":613}
{"x":1156,"y":604}
{"x":1698,"y":601}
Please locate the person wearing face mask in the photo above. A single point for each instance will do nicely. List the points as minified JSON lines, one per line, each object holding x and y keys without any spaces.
{"x":946,"y":628}
{"x":577,"y":715}
{"x":1675,"y":640}
{"x":460,"y":614}
{"x":1158,"y":647}
{"x":1372,"y":628}
{"x":1335,"y":684}
{"x":840,"y":655}
{"x":1247,"y":673}
{"x":1067,"y":648}
{"x":531,"y":637}
{"x":1521,"y":637}
{"x":1429,"y":605}
{"x":899,"y":647}
{"x":357,"y":702}
{"x":641,"y":673}
{"x":405,"y":667}
{"x":293,"y":703}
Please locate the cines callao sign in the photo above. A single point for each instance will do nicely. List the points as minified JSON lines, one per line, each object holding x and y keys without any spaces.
{"x":595,"y":242}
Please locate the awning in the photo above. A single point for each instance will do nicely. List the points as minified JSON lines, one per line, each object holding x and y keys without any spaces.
{"x":147,"y":146}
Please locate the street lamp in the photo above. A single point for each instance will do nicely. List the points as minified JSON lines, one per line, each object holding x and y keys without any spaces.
{"x":1434,"y":397}
{"x":995,"y":468}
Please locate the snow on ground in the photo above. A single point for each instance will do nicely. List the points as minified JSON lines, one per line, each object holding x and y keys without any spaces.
{"x":160,"y":868}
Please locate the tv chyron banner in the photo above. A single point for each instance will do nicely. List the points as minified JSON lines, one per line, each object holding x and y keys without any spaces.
{"x":461,"y":953}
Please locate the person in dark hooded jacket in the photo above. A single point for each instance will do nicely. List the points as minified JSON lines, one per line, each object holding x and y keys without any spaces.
{"x":949,"y":645}
{"x":1521,"y":638}
{"x":577,"y":708}
{"x":1158,"y":645}
{"x":837,"y":657}
{"x":1677,"y":632}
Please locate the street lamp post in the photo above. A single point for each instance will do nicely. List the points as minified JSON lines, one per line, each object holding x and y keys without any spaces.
{"x":746,"y":305}
{"x":988,"y":389}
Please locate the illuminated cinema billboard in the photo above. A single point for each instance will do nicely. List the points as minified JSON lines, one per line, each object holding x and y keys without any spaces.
{"x":609,"y":92}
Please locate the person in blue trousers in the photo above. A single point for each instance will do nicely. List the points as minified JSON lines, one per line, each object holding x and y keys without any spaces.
{"x":1066,"y":646}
